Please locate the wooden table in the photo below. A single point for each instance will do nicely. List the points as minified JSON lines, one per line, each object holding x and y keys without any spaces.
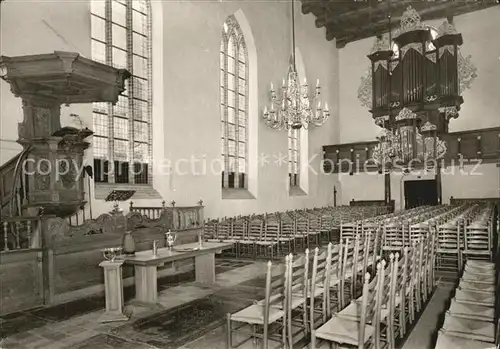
{"x":145,"y":265}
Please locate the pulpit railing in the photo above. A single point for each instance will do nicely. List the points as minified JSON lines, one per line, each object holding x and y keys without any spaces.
{"x":13,"y":189}
{"x":177,"y":218}
{"x":19,"y":233}
{"x":152,"y":212}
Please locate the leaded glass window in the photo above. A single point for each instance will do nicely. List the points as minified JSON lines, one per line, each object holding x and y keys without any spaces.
{"x":234,"y":105}
{"x":121,"y":37}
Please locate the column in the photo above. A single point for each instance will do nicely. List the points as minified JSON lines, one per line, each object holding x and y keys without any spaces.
{"x":387,"y":188}
{"x":113,"y":283}
{"x":438,"y":183}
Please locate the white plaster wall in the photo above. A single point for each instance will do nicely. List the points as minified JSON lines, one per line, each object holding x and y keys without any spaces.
{"x":186,"y":119}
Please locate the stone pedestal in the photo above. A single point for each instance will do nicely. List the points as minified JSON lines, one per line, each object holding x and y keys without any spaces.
{"x":113,"y":282}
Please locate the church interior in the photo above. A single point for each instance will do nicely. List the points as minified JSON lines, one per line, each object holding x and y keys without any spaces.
{"x":340,"y":188}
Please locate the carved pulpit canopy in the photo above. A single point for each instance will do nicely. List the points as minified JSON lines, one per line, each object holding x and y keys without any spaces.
{"x":65,"y":77}
{"x":44,"y":82}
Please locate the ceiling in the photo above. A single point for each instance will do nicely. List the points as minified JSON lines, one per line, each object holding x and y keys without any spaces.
{"x":351,"y":20}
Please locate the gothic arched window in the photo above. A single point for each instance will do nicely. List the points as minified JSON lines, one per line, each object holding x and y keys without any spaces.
{"x":234,"y":105}
{"x":122,"y":141}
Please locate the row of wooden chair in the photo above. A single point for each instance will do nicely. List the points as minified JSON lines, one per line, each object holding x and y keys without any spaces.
{"x":465,"y":230}
{"x":275,"y":235}
{"x":289,"y":310}
{"x":391,"y":298}
{"x":472,"y":318}
{"x":469,"y":235}
{"x":301,"y":296}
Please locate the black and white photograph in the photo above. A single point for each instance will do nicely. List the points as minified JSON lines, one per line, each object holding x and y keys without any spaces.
{"x":251,"y":174}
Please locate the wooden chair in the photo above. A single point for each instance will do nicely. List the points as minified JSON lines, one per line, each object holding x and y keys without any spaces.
{"x":302,"y":230}
{"x":244,"y":245}
{"x":359,"y":334}
{"x":347,"y":268}
{"x":393,"y":238}
{"x":448,"y":249}
{"x":298,"y":282}
{"x":411,"y":280}
{"x":418,"y":275}
{"x":447,"y":341}
{"x":478,"y":240}
{"x":319,"y":287}
{"x":335,"y":291}
{"x":272,"y":237}
{"x":288,"y":235}
{"x":373,"y":249}
{"x":471,"y":311}
{"x":265,"y":245}
{"x":469,"y":328}
{"x":348,"y":230}
{"x":270,"y":311}
{"x":314,"y":234}
{"x":384,"y":303}
{"x":398,"y":317}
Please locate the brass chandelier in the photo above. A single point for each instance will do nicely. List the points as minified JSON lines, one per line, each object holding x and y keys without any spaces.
{"x":295,"y":108}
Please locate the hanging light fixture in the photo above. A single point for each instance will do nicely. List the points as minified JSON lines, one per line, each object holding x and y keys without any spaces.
{"x":293,"y":108}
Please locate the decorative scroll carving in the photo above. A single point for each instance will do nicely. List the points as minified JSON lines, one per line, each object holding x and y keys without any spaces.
{"x":68,"y":172}
{"x":441,"y":148}
{"x":449,"y":112}
{"x":406,"y":114}
{"x":393,"y":64}
{"x":467,"y":71}
{"x":446,"y":28}
{"x":42,"y":177}
{"x":380,"y":120}
{"x":365,"y":89}
{"x":414,"y":45}
{"x":380,"y":63}
{"x":59,"y":229}
{"x":186,"y":218}
{"x":446,"y":48}
{"x":42,"y":120}
{"x":431,"y":57}
{"x":138,"y":220}
{"x":381,"y":44}
{"x":410,"y":21}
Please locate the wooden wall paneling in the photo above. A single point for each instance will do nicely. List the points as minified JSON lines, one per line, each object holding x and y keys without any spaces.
{"x":21,"y":285}
{"x":483,"y":144}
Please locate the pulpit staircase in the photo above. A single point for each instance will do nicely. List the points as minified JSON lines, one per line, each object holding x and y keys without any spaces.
{"x":15,"y":224}
{"x":18,"y":222}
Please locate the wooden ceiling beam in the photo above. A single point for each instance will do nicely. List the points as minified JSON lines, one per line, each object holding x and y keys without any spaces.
{"x":439,"y":10}
{"x":382,"y":25}
{"x":339,"y":17}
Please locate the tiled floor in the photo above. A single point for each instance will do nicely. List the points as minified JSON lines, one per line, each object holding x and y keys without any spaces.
{"x":186,"y":313}
{"x":424,"y":335}
{"x":189,"y":316}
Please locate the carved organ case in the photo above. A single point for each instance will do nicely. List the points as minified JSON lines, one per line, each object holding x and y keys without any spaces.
{"x":421,"y":69}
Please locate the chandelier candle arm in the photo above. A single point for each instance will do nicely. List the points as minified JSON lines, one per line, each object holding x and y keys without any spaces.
{"x":295,"y":101}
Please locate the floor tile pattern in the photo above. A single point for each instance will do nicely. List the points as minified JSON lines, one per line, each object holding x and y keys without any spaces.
{"x":187,"y":312}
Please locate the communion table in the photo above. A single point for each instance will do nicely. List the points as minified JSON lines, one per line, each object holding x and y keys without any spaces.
{"x":145,"y":265}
